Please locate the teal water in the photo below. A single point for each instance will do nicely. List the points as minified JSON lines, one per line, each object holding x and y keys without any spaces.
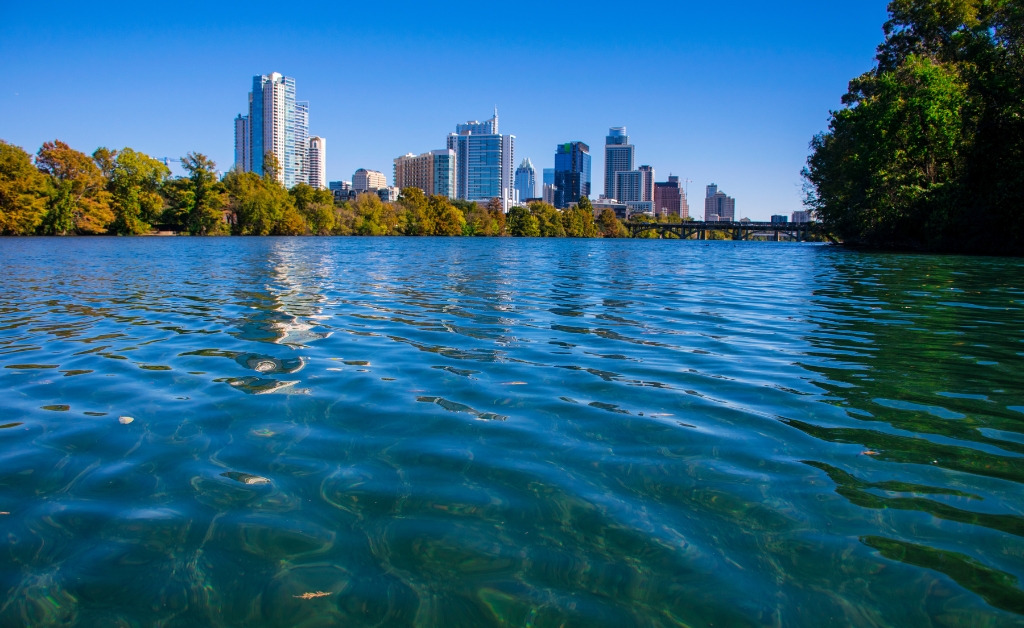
{"x":431,"y":432}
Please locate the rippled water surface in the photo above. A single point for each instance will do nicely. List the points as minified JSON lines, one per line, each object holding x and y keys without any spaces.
{"x":430,"y":432}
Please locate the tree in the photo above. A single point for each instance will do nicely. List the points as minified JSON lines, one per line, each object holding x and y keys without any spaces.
{"x":315,"y":206}
{"x":78,"y":200}
{"x":609,"y":225}
{"x":412,"y":213}
{"x":22,"y":192}
{"x":446,"y":219}
{"x":549,"y":222}
{"x":578,"y":221}
{"x":197,"y":199}
{"x":104,"y":158}
{"x":374,"y":217}
{"x":521,"y":223}
{"x":932,"y":138}
{"x":135,"y":183}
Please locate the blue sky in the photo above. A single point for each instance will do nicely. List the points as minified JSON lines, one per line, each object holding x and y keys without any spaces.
{"x":724,"y":92}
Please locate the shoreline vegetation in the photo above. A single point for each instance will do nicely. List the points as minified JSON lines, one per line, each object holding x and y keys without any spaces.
{"x":63,"y":191}
{"x":927,"y":152}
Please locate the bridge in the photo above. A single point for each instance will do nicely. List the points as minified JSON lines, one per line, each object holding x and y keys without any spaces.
{"x":796,"y":231}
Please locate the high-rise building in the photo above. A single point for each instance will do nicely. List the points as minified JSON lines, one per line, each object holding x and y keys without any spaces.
{"x":445,"y":168}
{"x":572,"y":173}
{"x":670,"y":199}
{"x":276,"y":124}
{"x":718,"y":206}
{"x":801,"y":216}
{"x":242,"y":144}
{"x":432,"y":172}
{"x":549,"y":176}
{"x":415,"y":171}
{"x":317,"y":163}
{"x":646,"y":183}
{"x":526,"y":180}
{"x":484,"y":161}
{"x":618,"y":157}
{"x":366,"y":180}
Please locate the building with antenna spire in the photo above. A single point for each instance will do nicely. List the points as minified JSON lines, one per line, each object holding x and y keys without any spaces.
{"x":485,"y":162}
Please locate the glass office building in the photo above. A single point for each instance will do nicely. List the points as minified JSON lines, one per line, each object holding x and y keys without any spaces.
{"x":484,"y":162}
{"x":526,"y":180}
{"x":619,"y":155}
{"x":572,"y":173}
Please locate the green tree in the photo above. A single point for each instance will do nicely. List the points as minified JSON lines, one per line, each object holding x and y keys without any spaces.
{"x":549,"y":222}
{"x":413,"y":219}
{"x":932,"y":138}
{"x":373,"y":217}
{"x":578,"y":221}
{"x":521,"y":223}
{"x":135,"y":184}
{"x":23,"y":192}
{"x":197,"y":200}
{"x":316,"y":208}
{"x":78,"y":199}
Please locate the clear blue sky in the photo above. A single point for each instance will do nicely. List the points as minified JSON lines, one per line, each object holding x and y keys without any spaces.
{"x":723,"y":92}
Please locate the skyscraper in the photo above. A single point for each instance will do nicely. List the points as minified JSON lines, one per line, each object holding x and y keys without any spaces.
{"x":618,"y":157}
{"x":670,"y":199}
{"x":243,"y":160}
{"x":484,"y":162}
{"x":317,"y":164}
{"x":572,"y":173}
{"x":526,"y":180}
{"x":276,"y":124}
{"x":718,"y":206}
{"x":548,"y":187}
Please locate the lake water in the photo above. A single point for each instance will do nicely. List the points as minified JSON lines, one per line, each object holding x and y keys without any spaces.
{"x":471,"y":432}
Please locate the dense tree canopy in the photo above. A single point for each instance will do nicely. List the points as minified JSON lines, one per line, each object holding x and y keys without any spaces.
{"x":63,"y":191}
{"x":928,"y":150}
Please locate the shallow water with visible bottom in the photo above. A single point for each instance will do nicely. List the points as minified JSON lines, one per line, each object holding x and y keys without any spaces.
{"x":459,"y":432}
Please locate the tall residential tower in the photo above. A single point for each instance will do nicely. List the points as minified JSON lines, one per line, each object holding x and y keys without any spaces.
{"x":276,"y":124}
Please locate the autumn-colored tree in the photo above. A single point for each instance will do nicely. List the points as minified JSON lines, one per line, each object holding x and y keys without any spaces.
{"x":135,"y":184}
{"x":78,"y":200}
{"x":446,"y":219}
{"x":22,"y":192}
{"x":484,"y":221}
{"x":609,"y":225}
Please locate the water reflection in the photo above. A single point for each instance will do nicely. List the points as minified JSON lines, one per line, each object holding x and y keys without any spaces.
{"x":472,"y":433}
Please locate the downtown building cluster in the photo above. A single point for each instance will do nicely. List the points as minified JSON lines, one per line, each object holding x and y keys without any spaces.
{"x":278,"y":124}
{"x":477,"y":164}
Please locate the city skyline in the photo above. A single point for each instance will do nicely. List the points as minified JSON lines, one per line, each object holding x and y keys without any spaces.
{"x":738,"y":111}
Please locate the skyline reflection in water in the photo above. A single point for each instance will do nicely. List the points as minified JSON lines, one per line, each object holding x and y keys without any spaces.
{"x":436,"y":432}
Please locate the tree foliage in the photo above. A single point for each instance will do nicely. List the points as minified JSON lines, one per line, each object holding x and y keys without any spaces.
{"x":928,"y":150}
{"x":78,"y":201}
{"x":22,"y":192}
{"x":135,"y":182}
